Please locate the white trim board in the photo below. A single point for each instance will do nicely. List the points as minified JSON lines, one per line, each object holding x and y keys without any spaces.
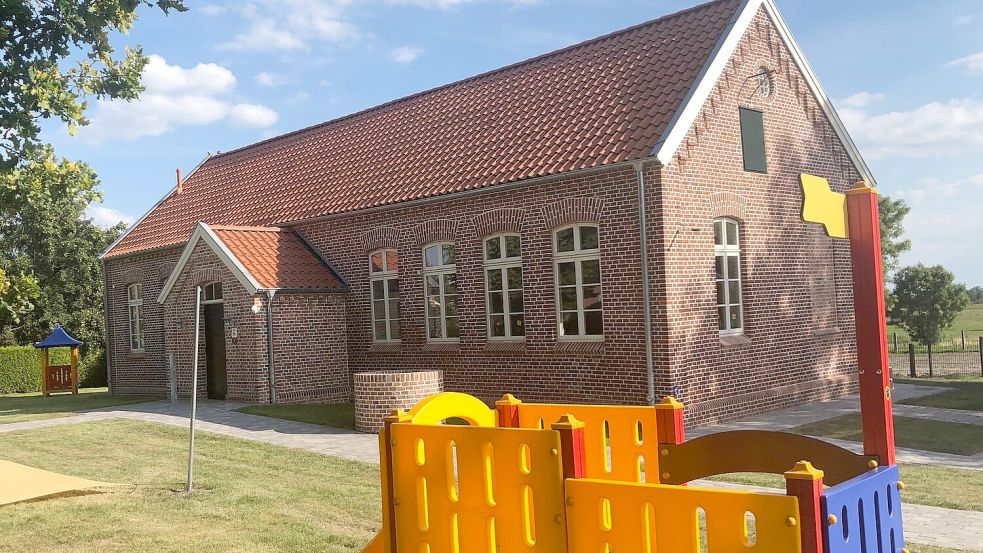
{"x":691,"y":106}
{"x":203,"y":232}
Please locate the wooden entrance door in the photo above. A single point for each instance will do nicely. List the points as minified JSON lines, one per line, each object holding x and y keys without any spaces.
{"x":215,"y":350}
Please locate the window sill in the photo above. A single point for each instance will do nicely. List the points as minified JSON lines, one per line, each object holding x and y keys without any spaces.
{"x":137,"y":355}
{"x":441,"y":346}
{"x":385,"y":347}
{"x":734,"y":340}
{"x":826,"y":332}
{"x":585,"y":346}
{"x":505,"y":346}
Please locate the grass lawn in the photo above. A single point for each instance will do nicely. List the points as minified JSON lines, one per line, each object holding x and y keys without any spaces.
{"x":341,"y":415}
{"x":970,"y":320}
{"x":928,"y":435}
{"x":25,"y":407}
{"x":252,"y":496}
{"x":924,"y":485}
{"x":964,"y":395}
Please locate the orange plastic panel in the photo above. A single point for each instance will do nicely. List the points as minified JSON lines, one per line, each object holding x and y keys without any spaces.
{"x":463,"y":489}
{"x":622,"y":442}
{"x":605,"y":516}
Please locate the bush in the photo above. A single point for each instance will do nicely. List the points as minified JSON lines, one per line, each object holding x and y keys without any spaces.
{"x":20,"y":368}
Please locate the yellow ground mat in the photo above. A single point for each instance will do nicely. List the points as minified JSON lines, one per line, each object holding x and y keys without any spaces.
{"x":21,"y":483}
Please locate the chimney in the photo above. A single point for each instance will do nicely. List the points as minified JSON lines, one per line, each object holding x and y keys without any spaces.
{"x":180,"y":181}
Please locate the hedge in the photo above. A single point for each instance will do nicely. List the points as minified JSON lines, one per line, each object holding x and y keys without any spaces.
{"x":20,"y":368}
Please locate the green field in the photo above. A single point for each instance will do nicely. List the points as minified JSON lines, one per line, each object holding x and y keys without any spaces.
{"x":31,"y":406}
{"x":970,"y":320}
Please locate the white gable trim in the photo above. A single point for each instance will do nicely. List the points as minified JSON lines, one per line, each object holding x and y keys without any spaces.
{"x":149,"y":211}
{"x":686,"y":116}
{"x":203,"y":232}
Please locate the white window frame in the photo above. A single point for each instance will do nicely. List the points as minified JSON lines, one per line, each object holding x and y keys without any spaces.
{"x":440,"y":271}
{"x":216,"y":298}
{"x":502,"y":265}
{"x":384,"y":275}
{"x":134,"y":307}
{"x":577,"y":256}
{"x":727,"y":251}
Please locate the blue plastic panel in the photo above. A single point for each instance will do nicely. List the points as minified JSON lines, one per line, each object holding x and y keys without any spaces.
{"x":868,"y":512}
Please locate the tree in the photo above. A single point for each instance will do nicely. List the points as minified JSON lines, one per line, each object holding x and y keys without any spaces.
{"x":927,"y":302}
{"x":57,"y":54}
{"x":976,"y":294}
{"x":16,"y":296}
{"x":44,"y":233}
{"x":893,"y":213}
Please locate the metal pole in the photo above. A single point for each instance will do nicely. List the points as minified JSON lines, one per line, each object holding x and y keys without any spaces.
{"x":911,"y":360}
{"x":194,"y":391}
{"x":930,"y":368}
{"x":964,"y":340}
{"x":981,"y":355}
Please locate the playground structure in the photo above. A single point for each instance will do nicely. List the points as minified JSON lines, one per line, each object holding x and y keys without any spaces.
{"x":59,"y":378}
{"x":605,"y":479}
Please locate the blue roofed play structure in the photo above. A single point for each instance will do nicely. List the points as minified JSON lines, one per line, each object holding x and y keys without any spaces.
{"x":59,"y":378}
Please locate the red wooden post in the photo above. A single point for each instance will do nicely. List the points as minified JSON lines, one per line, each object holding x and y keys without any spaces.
{"x":572,"y":449}
{"x":508,"y":411}
{"x":389,"y":494}
{"x":805,"y":482}
{"x":863,"y":221}
{"x":669,"y":421}
{"x":75,"y":370}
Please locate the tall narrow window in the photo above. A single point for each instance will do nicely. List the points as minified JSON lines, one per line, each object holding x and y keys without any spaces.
{"x":384,"y":280}
{"x":727,"y":254}
{"x":753,"y":140}
{"x":134,"y":302}
{"x":577,"y":259}
{"x":440,"y":287}
{"x":503,"y":283}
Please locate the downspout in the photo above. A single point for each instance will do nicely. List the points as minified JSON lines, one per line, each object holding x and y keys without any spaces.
{"x":269,"y":344}
{"x":105,"y":316}
{"x":647,"y":300}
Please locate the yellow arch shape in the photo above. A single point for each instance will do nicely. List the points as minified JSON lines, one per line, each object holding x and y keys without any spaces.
{"x":447,"y":405}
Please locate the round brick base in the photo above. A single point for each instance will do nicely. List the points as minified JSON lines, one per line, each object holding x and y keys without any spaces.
{"x":377,"y":393}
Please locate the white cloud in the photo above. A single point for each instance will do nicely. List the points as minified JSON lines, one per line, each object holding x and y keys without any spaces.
{"x":963,"y":20}
{"x":252,"y":116}
{"x":934,"y":129}
{"x":105,"y":217}
{"x":447,"y":4}
{"x":861,"y":99}
{"x":974,"y":62}
{"x":267,"y":78}
{"x":212,"y":10}
{"x":405,"y":54}
{"x":175,"y":97}
{"x":292,"y":25}
{"x":937,"y":189}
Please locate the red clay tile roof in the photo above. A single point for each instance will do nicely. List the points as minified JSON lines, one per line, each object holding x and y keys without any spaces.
{"x":278,"y":258}
{"x":604,"y":101}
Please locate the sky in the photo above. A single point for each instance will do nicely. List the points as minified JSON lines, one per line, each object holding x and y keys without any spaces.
{"x":906,"y":77}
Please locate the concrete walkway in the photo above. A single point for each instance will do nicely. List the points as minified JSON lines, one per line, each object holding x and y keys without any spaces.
{"x":925,"y":525}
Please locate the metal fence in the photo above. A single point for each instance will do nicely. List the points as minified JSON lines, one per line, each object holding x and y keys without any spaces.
{"x":950,"y":358}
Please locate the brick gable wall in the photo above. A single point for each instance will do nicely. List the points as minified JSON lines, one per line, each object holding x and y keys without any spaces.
{"x":797,"y":291}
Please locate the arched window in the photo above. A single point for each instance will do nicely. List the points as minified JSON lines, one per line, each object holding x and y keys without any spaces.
{"x":384,"y":280}
{"x":134,"y":303}
{"x":440,"y":290}
{"x":577,"y":262}
{"x":727,"y":262}
{"x":503,"y":287}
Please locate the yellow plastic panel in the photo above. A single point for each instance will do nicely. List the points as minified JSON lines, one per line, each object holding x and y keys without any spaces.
{"x":822,"y":205}
{"x":464,"y":489}
{"x":622,"y":443}
{"x":653,"y":518}
{"x":447,"y":405}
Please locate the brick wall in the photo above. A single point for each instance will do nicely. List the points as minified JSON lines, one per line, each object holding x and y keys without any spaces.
{"x":310,"y":342}
{"x":797,"y":290}
{"x":138,"y":373}
{"x":378,"y":393}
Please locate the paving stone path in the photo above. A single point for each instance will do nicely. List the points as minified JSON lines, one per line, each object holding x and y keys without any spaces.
{"x":923,"y":524}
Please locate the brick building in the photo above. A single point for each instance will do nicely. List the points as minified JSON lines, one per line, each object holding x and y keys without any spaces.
{"x":493,"y":229}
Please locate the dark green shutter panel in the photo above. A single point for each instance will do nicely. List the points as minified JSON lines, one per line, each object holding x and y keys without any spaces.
{"x":753,"y":140}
